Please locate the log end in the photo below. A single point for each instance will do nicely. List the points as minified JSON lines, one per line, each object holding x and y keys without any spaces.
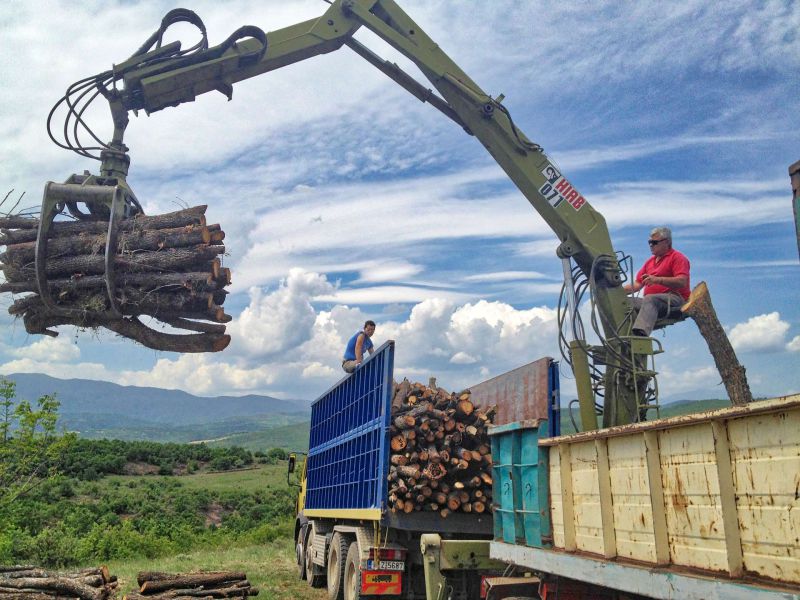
{"x":699,"y":292}
{"x":221,"y":343}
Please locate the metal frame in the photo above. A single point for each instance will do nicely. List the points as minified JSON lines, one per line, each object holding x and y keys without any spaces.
{"x":349,"y":432}
{"x":649,"y":582}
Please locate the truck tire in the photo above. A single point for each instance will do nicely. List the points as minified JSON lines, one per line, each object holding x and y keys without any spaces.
{"x":337,"y":555}
{"x":314,"y":573}
{"x":352,"y":574}
{"x":300,"y":556}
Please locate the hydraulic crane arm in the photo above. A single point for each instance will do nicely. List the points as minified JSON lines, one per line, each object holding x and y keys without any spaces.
{"x":152,"y":80}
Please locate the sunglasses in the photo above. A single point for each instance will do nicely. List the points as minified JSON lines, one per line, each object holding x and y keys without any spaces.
{"x":655,"y":242}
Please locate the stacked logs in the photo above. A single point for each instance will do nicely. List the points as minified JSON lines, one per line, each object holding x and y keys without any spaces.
{"x":166,"y":266}
{"x":31,"y":583}
{"x":192,"y":586}
{"x":440,"y":453}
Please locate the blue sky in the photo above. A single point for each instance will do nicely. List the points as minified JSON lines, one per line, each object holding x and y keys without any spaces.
{"x":344,"y":198}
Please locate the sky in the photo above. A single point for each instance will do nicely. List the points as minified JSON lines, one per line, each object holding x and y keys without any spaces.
{"x":344,"y":198}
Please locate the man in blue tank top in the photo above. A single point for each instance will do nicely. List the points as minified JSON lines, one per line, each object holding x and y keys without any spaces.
{"x":354,"y":352}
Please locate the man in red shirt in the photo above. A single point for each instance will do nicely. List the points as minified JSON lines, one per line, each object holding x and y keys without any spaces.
{"x":665,"y":279}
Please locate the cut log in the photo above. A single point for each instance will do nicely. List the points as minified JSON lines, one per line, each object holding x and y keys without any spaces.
{"x":188,"y":216}
{"x":700,"y":308}
{"x":65,"y":585}
{"x":193,"y":281}
{"x":187,"y":580}
{"x":23,"y":253}
{"x":170,"y":259}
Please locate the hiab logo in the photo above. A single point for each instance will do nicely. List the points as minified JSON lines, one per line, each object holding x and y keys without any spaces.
{"x":557,"y":189}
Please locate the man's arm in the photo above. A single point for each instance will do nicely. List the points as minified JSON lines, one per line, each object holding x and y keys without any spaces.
{"x":634,"y":287}
{"x":360,"y":348}
{"x":673,"y":283}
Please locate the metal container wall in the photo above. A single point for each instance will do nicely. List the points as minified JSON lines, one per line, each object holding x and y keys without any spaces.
{"x":527,"y":393}
{"x":348,"y":450}
{"x":714,"y":491}
{"x":520,"y":469}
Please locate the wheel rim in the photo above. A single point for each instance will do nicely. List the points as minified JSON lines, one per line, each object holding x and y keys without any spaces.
{"x":333,"y":565}
{"x":350,"y":581}
{"x":309,"y":564}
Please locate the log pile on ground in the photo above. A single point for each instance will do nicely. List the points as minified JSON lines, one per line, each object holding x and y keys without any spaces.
{"x":166,"y":266}
{"x":192,"y":586}
{"x":31,"y":583}
{"x":440,"y":454}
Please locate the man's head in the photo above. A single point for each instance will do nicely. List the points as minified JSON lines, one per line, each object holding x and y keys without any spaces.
{"x":660,"y":241}
{"x":369,"y":328}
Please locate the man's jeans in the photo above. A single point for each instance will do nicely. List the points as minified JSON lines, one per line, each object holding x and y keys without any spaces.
{"x":349,"y":365}
{"x":653,"y":306}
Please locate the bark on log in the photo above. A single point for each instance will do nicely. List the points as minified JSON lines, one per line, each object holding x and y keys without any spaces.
{"x":194,"y":281}
{"x":700,"y":308}
{"x":59,"y":584}
{"x":199,"y":592}
{"x":134,"y":329}
{"x":29,"y":595}
{"x":23,"y":253}
{"x":180,"y":218}
{"x":10,"y":568}
{"x":170,"y":259}
{"x":187,"y":580}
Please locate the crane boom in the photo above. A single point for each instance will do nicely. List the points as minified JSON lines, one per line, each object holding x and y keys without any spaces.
{"x":153,"y":80}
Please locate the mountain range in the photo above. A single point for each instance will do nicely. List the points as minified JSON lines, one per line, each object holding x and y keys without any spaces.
{"x":100,"y":409}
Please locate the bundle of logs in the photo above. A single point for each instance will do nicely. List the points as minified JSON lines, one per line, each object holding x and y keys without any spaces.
{"x":166,"y":266}
{"x":192,"y":586}
{"x":31,"y":583}
{"x":440,"y":454}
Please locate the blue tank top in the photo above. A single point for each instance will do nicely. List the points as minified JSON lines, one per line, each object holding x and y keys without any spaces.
{"x":350,"y":351}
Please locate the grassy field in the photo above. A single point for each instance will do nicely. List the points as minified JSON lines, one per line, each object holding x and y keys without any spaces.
{"x":269,"y":567}
{"x":247,"y":480}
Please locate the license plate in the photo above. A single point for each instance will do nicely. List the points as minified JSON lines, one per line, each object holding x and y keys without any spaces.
{"x":381,"y":582}
{"x":386,"y":565}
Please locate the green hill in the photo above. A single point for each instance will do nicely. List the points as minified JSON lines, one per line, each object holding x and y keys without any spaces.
{"x":292,"y":437}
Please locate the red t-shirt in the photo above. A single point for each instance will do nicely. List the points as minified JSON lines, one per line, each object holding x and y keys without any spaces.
{"x":672,"y":264}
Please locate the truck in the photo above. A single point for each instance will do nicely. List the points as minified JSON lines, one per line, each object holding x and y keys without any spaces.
{"x":346,"y":537}
{"x":698,"y":507}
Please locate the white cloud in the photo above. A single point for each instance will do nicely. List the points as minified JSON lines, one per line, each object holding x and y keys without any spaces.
{"x":794,"y":345}
{"x":61,"y":370}
{"x":760,"y":333}
{"x":506,"y":276}
{"x":283,"y":319}
{"x":318,"y":370}
{"x":59,"y":349}
{"x":462,"y":358}
{"x":390,"y":270}
{"x":690,"y":380}
{"x":201,"y":374}
{"x":387,"y":294}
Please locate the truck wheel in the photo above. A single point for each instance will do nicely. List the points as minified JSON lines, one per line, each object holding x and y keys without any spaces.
{"x":300,"y":556}
{"x":314,"y":573}
{"x":352,"y":574}
{"x":336,"y":559}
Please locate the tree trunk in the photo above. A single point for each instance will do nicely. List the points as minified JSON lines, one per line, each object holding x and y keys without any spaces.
{"x":700,"y":308}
